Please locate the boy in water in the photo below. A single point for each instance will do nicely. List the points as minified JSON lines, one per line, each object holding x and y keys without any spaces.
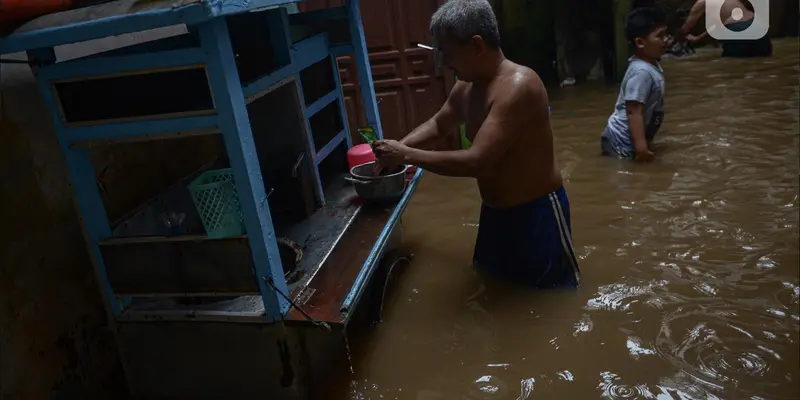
{"x":639,"y":110}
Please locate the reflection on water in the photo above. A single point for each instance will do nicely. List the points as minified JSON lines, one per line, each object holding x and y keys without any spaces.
{"x":690,"y":266}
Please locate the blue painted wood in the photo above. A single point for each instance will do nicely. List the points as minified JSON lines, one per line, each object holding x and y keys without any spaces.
{"x":310,"y":51}
{"x":327,"y":14}
{"x":267,"y":81}
{"x":122,"y":64}
{"x":189,"y":14}
{"x":328,"y":148}
{"x":364,"y":70}
{"x":240,"y":145}
{"x":228,"y":7}
{"x":206,"y":123}
{"x":280,"y":36}
{"x":340,"y":100}
{"x":100,"y":28}
{"x":303,"y":54}
{"x":310,"y":145}
{"x":341,"y":49}
{"x":183,"y":41}
{"x":374,"y":257}
{"x":322,"y":102}
{"x":90,"y":205}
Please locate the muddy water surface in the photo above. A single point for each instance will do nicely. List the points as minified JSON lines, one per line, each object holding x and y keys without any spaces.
{"x":690,"y":265}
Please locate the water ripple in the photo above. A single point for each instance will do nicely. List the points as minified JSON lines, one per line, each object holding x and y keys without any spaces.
{"x":721,"y":346}
{"x":610,"y":388}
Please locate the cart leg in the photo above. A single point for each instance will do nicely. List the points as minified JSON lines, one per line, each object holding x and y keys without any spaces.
{"x":235,"y":125}
{"x":89,"y":204}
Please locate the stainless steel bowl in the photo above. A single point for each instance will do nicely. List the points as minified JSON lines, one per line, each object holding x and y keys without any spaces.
{"x":378,"y":188}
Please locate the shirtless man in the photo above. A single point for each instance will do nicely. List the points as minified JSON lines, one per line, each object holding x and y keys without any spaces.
{"x":737,"y":17}
{"x":524,"y":232}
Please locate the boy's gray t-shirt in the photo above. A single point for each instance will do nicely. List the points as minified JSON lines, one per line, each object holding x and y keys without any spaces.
{"x":643,"y":83}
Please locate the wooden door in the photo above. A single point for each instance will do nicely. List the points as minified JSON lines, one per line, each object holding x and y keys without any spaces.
{"x":406,"y":82}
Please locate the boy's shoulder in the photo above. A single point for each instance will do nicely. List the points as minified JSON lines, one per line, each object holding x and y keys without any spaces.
{"x":643,"y":72}
{"x":635,"y":65}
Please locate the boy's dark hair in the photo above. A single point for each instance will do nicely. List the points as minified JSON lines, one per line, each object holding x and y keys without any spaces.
{"x":642,"y":21}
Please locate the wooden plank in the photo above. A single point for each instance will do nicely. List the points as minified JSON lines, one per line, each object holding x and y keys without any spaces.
{"x":379,"y":248}
{"x":310,"y":51}
{"x":340,"y":99}
{"x":280,"y":36}
{"x":240,"y":145}
{"x":303,"y":54}
{"x":102,"y":20}
{"x":175,"y":42}
{"x":138,"y":131}
{"x":309,"y":137}
{"x":322,"y":102}
{"x":268,"y":83}
{"x":340,"y":269}
{"x":361,"y":54}
{"x":328,"y":148}
{"x":111,"y":9}
{"x":229,"y":7}
{"x":143,"y":267}
{"x":106,"y":67}
{"x":341,"y":49}
{"x":325,"y":14}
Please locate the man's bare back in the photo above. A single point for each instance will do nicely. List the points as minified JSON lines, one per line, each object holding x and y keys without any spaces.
{"x":528,"y":170}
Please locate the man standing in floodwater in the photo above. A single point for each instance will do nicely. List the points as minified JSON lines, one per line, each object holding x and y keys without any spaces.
{"x":524,"y":232}
{"x":737,"y":17}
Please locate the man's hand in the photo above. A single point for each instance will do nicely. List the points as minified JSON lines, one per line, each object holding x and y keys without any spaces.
{"x":645,"y":156}
{"x":390,"y":153}
{"x":692,"y":38}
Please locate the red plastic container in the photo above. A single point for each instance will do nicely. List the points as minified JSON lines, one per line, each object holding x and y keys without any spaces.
{"x":21,"y":10}
{"x":360,"y":155}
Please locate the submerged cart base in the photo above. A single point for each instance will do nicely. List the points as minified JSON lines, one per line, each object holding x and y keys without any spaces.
{"x":230,"y":84}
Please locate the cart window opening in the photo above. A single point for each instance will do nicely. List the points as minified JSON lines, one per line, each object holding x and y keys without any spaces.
{"x":326,"y":124}
{"x":135,"y":96}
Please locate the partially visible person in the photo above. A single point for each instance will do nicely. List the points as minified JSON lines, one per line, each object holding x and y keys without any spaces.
{"x":565,"y":42}
{"x":524,"y":232}
{"x":737,"y":16}
{"x":639,"y":110}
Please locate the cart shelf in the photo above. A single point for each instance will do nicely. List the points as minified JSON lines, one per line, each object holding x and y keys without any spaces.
{"x":144,"y":260}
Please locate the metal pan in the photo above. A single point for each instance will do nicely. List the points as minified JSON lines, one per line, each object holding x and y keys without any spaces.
{"x":378,"y":188}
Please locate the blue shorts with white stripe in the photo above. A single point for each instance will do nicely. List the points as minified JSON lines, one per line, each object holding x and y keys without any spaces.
{"x":530,"y":243}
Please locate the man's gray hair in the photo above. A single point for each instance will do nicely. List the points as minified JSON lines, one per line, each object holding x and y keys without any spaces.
{"x":463,"y":19}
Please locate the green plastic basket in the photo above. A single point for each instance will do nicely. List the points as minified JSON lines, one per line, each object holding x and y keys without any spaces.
{"x":217,"y":203}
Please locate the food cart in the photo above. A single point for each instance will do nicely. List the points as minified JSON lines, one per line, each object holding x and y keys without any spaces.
{"x":239,"y":279}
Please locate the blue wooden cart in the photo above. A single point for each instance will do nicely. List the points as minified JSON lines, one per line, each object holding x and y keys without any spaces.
{"x":201,"y":317}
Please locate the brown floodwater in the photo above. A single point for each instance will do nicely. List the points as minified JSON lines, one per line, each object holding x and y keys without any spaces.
{"x":689,"y":265}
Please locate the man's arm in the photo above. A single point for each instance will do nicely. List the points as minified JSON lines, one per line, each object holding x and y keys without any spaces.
{"x":695,"y":39}
{"x":513,"y":113}
{"x":697,"y":11}
{"x":444,"y":122}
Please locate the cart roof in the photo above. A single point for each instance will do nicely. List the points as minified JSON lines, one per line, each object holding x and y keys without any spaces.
{"x":120,"y":17}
